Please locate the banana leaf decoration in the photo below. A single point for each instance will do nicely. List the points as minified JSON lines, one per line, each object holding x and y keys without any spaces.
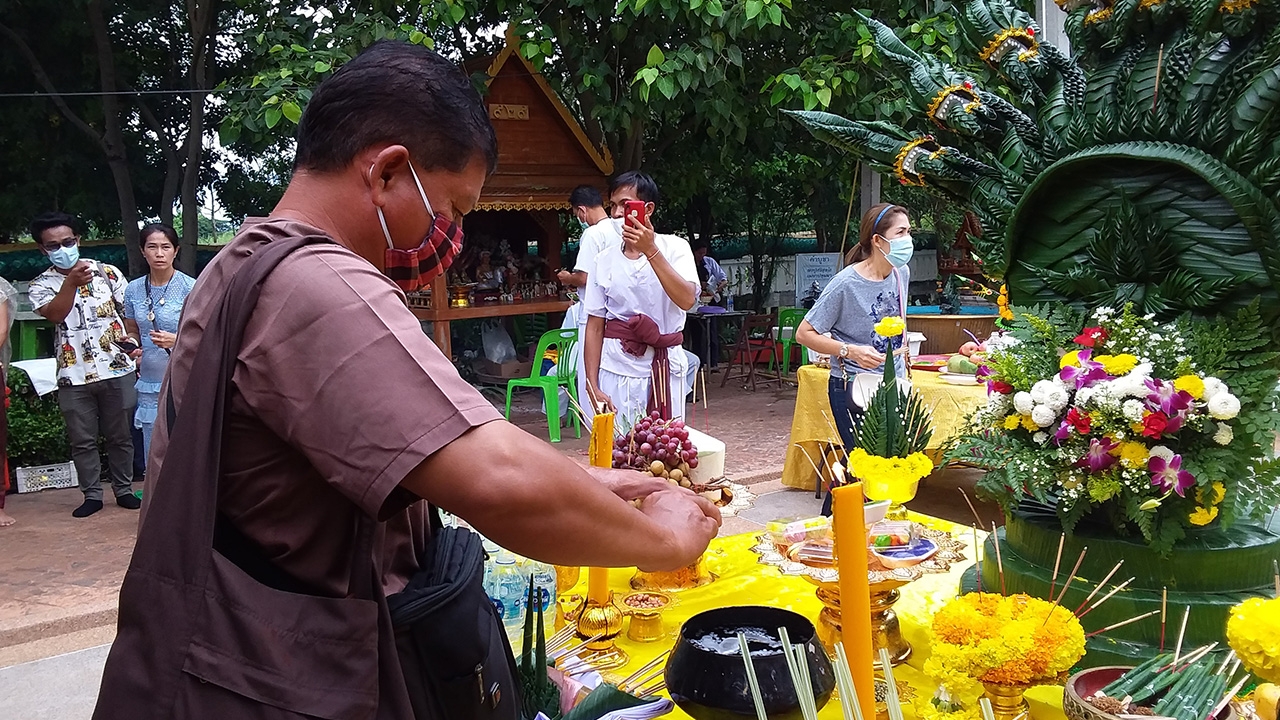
{"x":897,"y":423}
{"x":1144,"y":167}
{"x":539,"y":694}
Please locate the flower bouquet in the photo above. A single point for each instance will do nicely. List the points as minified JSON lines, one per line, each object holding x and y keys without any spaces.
{"x":1003,"y":645}
{"x":888,"y":453}
{"x":1162,"y":426}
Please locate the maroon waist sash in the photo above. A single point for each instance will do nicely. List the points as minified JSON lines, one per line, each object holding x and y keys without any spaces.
{"x":638,"y":334}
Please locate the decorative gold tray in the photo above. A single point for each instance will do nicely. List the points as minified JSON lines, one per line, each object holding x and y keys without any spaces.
{"x":950,"y":550}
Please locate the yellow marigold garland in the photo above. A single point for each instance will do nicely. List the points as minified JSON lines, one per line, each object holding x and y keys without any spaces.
{"x":984,"y":637}
{"x":1253,"y":631}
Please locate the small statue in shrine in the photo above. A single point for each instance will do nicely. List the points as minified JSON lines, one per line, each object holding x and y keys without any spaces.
{"x":486,"y":276}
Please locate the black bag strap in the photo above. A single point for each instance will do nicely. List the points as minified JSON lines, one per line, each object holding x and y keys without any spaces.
{"x":192,"y":471}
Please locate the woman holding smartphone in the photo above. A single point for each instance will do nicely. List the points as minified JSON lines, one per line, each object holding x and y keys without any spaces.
{"x":152,"y":308}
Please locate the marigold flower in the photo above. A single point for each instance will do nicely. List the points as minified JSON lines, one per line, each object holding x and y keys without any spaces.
{"x":890,"y":326}
{"x":1203,"y":516}
{"x":1253,"y":631}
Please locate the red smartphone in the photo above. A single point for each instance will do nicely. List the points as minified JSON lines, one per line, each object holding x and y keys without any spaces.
{"x":634,"y":208}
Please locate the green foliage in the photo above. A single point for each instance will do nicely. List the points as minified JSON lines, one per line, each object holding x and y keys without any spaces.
{"x":897,"y":423}
{"x":37,"y":433}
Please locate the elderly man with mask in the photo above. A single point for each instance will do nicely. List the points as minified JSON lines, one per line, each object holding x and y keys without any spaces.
{"x":342,"y":418}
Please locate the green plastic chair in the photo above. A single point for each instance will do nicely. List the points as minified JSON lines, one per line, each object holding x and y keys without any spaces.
{"x":566,"y":376}
{"x":788,"y":319}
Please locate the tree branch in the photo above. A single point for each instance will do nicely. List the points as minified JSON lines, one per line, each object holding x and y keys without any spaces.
{"x":42,"y":78}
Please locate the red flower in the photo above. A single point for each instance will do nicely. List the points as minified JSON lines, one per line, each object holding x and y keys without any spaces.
{"x":1154,"y":425}
{"x":1080,"y":421}
{"x":1092,"y":337}
{"x":999,"y":386}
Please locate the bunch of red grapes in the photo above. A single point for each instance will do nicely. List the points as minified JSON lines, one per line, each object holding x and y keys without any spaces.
{"x":657,"y":446}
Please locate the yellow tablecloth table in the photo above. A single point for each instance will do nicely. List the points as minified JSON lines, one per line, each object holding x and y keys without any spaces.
{"x":811,"y":425}
{"x":742,"y":580}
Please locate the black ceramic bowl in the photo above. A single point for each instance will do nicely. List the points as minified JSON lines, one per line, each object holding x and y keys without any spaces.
{"x":706,"y":677}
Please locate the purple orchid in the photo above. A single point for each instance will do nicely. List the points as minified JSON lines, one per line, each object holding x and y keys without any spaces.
{"x":1168,"y":475}
{"x":1086,"y":374}
{"x":1063,"y":432}
{"x":1098,"y":458}
{"x":1167,"y":399}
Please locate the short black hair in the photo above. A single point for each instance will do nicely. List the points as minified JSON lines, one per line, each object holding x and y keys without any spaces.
{"x":585,"y":196}
{"x":152,"y":228}
{"x":700,"y":244}
{"x":50,"y":220}
{"x":396,"y":93}
{"x":646,"y":188}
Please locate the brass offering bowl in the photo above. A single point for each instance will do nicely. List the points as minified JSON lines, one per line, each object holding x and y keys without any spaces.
{"x":646,"y":620}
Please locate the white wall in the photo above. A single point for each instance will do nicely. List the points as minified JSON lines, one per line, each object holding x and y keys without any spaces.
{"x":924,"y":268}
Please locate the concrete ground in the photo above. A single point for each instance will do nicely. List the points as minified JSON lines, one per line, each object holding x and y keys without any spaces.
{"x":60,"y":577}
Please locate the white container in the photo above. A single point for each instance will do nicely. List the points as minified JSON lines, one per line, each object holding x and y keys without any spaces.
{"x":711,"y":453}
{"x":916,"y":341}
{"x":47,"y":477}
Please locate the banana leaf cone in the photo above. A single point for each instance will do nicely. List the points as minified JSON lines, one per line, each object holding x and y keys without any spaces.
{"x":540,"y":695}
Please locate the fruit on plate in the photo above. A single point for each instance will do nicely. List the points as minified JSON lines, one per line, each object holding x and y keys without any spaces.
{"x":1265,"y":699}
{"x":658,"y":447}
{"x":961,"y":365}
{"x":970,"y":348}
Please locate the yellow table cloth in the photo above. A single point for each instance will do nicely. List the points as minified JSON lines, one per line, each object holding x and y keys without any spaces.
{"x":811,"y":425}
{"x":742,"y":580}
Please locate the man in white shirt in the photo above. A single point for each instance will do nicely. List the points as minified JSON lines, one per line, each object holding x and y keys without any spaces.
{"x":95,"y":358}
{"x":638,"y":291}
{"x":597,"y":233}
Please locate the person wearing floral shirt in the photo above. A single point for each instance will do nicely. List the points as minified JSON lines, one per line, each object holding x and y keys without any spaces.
{"x":95,"y":357}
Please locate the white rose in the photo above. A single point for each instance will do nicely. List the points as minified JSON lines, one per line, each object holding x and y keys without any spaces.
{"x":1040,"y":438}
{"x":1212,"y":386}
{"x":1224,"y":406}
{"x":1225,"y":434}
{"x":1132,"y":410}
{"x":1161,"y":451}
{"x":1040,"y":391}
{"x":1023,"y":403}
{"x":999,"y":403}
{"x":1043,"y":415}
{"x":1083,"y":395}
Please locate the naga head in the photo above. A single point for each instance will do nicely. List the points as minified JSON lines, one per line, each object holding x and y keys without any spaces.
{"x":958,"y":108}
{"x":923,"y":160}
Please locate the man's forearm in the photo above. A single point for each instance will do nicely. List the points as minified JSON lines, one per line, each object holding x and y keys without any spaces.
{"x":591,"y":349}
{"x":534,"y":501}
{"x":682,"y":292}
{"x":57,"y":309}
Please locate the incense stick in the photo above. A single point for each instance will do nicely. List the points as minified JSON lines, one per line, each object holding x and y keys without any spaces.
{"x":835,"y":433}
{"x":1066,"y":585}
{"x":891,"y":694}
{"x":995,"y":538}
{"x":849,"y":691}
{"x":1177,"y":652}
{"x":756,"y":697}
{"x":809,"y":704}
{"x":1053,"y":581}
{"x":1114,"y":590}
{"x":649,"y":666}
{"x":1275,"y":567}
{"x":1099,"y":586}
{"x":811,"y":462}
{"x":1230,"y":694}
{"x":977,"y":556}
{"x":1123,"y":623}
{"x":797,"y":676}
{"x":987,"y":712}
{"x":972,"y":509}
{"x":1164,"y":606}
{"x":1155,"y":95}
{"x":1225,"y":662}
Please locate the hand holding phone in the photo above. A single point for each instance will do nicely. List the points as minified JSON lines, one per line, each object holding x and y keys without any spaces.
{"x":634,"y":208}
{"x":125,"y":344}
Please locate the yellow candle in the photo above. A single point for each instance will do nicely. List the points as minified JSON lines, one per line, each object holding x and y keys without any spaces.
{"x":855,"y":593}
{"x":600,"y":455}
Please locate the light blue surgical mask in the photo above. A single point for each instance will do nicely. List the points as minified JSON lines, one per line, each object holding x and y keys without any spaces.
{"x":65,"y":258}
{"x":900,"y":250}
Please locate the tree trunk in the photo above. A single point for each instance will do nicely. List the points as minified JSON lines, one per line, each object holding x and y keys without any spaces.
{"x":633,"y":146}
{"x":113,"y":138}
{"x":200,"y":15}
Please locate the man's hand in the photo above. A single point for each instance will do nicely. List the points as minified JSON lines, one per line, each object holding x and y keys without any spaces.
{"x":629,"y":484}
{"x":163,"y":340}
{"x":639,"y":236}
{"x":691,"y":521}
{"x":597,"y":396}
{"x":565,"y":277}
{"x":137,"y":353}
{"x":80,"y":275}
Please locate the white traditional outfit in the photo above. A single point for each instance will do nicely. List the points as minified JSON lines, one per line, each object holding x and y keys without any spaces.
{"x":620,"y":290}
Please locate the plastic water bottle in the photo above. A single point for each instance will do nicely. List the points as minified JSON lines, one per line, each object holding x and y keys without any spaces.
{"x":729,"y":303}
{"x":508,"y":595}
{"x":544,"y":585}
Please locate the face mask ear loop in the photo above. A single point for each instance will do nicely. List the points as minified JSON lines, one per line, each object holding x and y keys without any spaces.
{"x":382,"y":219}
{"x":435,"y":247}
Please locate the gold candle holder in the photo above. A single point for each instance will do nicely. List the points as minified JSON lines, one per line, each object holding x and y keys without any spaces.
{"x":1007,"y":701}
{"x":602,"y":621}
{"x":885,"y":628}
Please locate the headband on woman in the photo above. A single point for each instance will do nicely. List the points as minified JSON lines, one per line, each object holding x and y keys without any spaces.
{"x":880,"y":217}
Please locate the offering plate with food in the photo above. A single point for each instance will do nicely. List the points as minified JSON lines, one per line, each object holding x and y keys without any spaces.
{"x":897,"y":553}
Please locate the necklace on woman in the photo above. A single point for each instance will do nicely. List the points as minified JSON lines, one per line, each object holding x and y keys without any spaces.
{"x":151,"y":302}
